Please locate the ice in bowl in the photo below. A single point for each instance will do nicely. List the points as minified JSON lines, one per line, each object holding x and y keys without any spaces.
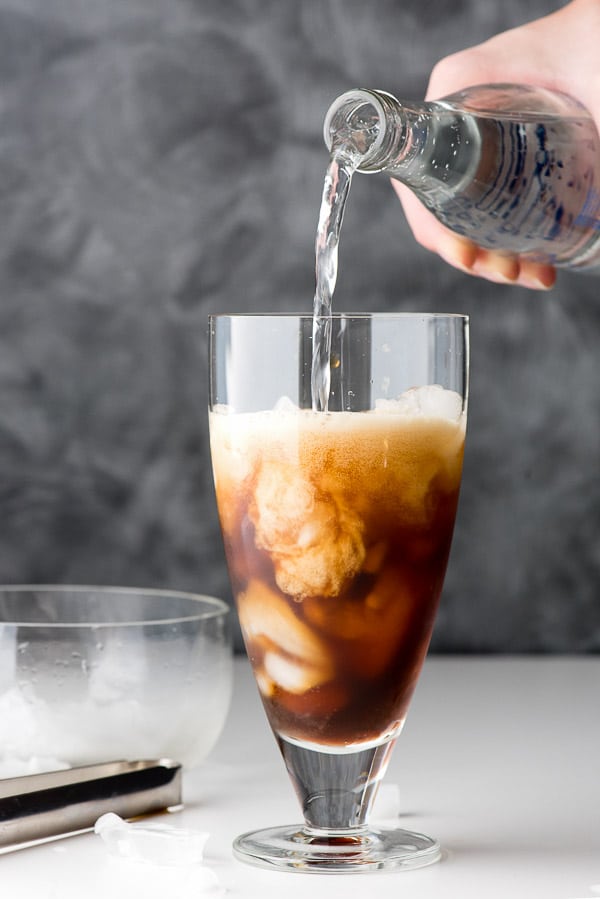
{"x":90,"y":674}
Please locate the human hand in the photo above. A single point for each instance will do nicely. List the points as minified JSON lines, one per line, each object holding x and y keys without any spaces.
{"x":524,"y":55}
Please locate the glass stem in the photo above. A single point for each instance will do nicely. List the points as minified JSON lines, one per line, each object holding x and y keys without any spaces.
{"x":336,"y":790}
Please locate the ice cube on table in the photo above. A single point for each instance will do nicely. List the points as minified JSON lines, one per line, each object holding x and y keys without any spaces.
{"x":155,"y":860}
{"x":159,"y":844}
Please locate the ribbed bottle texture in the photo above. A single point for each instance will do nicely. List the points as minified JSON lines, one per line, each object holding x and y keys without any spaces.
{"x":513,"y":168}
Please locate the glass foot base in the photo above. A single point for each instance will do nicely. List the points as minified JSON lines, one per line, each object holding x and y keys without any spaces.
{"x":295,"y":848}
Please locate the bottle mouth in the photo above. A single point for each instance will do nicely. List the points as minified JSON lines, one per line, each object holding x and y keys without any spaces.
{"x":355,"y":125}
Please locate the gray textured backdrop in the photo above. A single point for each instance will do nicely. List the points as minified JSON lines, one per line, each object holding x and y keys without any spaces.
{"x":161,"y":159}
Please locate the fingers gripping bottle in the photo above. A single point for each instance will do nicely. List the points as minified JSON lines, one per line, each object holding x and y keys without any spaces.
{"x":515,"y":169}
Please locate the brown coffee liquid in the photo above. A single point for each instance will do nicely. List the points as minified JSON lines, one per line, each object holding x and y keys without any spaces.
{"x":337,"y":530}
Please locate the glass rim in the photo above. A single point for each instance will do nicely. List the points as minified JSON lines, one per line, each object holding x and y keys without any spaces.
{"x":341,"y":315}
{"x":212,"y":606}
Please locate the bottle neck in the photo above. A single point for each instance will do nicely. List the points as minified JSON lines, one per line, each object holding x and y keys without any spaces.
{"x":373,"y":130}
{"x":430,"y":146}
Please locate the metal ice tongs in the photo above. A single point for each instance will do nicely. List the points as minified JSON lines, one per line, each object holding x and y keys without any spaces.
{"x":38,"y":807}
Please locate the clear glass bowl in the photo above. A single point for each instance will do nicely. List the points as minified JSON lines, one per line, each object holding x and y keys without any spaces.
{"x":91,"y":674}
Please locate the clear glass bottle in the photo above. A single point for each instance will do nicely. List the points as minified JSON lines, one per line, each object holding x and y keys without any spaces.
{"x":513,"y":168}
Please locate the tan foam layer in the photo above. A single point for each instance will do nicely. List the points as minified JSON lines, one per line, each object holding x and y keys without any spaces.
{"x":315,"y":484}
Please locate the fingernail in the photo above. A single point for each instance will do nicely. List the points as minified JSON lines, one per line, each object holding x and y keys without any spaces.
{"x":540,"y":281}
{"x":495,"y":267}
{"x":459,"y":253}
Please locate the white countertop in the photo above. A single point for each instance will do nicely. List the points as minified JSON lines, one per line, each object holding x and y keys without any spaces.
{"x":499,"y":760}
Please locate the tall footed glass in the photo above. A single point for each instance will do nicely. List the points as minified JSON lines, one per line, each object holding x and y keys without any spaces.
{"x":337,"y":527}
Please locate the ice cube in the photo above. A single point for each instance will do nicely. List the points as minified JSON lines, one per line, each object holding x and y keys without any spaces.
{"x":18,"y":725}
{"x":436,"y":402}
{"x":428,"y":401}
{"x":121,"y":669}
{"x":266,"y":618}
{"x":154,"y":861}
{"x":407,"y":404}
{"x":291,"y":675}
{"x":285,"y":404}
{"x":160,"y":844}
